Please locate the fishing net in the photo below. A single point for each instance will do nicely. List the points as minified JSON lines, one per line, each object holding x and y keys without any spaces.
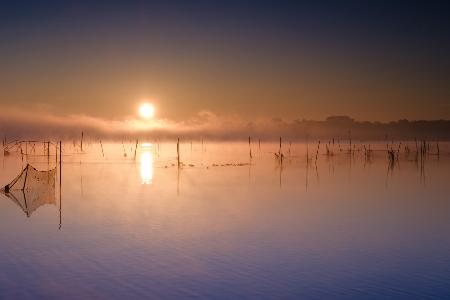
{"x":32,"y":188}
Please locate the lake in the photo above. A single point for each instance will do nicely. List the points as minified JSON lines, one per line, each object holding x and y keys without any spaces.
{"x":225,"y":225}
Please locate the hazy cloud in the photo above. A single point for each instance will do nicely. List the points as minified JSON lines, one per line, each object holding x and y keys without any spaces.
{"x":16,"y":124}
{"x":39,"y":124}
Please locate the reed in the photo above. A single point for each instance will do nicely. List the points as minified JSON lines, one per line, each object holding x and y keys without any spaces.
{"x":367,"y":153}
{"x":407,"y":150}
{"x":391,"y":158}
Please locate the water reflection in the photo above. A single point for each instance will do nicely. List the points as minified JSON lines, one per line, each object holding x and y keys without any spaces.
{"x":336,"y":228}
{"x":29,"y":202}
{"x":146,"y":164}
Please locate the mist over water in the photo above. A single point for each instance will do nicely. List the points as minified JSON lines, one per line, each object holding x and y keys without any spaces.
{"x":230,"y":222}
{"x":19,"y":124}
{"x":224,"y":150}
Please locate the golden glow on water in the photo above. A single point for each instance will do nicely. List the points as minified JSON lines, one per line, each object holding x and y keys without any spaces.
{"x":146,"y":164}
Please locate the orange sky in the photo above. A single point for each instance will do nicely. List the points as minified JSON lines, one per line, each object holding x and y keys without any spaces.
{"x":290,"y":61}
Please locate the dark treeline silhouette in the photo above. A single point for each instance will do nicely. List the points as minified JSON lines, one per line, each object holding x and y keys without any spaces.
{"x":343,"y":127}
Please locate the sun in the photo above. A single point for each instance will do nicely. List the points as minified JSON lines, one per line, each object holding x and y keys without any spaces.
{"x":146,"y":110}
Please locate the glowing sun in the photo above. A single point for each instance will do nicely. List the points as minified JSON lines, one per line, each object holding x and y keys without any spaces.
{"x":146,"y":110}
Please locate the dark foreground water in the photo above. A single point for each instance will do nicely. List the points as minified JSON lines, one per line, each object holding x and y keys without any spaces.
{"x":349,"y":228}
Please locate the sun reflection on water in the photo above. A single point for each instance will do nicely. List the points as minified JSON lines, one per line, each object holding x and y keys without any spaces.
{"x":146,"y":164}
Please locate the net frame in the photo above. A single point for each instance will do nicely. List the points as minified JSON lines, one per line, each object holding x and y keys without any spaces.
{"x":32,"y":189}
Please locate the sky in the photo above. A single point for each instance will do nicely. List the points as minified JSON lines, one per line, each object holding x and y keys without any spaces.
{"x":371,"y":60}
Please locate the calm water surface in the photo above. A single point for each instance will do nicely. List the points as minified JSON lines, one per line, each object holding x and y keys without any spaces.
{"x":344,"y":228}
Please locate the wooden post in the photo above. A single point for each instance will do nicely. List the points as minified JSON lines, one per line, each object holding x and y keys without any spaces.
{"x":60,"y":186}
{"x":21,"y":153}
{"x":25,"y":181}
{"x":317,"y":152}
{"x":82,"y":141}
{"x":103,"y":153}
{"x":279,"y":150}
{"x":135,"y":148}
{"x":124,"y":151}
{"x":178,"y":152}
{"x":350,"y":140}
{"x":60,"y":163}
{"x":307,"y":151}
